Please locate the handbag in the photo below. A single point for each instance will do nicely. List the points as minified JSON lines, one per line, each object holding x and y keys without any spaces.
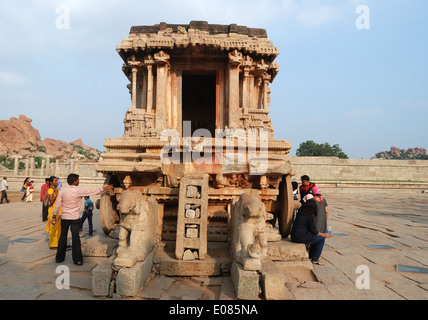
{"x":46,"y":201}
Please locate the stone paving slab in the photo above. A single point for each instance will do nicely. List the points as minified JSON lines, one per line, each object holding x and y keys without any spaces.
{"x":28,"y":270}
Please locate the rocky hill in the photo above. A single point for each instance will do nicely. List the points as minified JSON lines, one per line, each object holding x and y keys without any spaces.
{"x":18,"y":137}
{"x":402,"y":154}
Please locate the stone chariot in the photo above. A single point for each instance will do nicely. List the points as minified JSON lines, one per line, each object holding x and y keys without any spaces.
{"x":197,"y":167}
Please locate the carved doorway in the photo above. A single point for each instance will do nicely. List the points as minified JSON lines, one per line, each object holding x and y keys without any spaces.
{"x":199,"y":101}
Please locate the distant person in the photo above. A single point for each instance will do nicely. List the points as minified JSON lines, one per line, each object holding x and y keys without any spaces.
{"x":69,"y":200}
{"x":295,"y":186}
{"x":24,"y":188}
{"x":43,"y":199}
{"x":3,"y":188}
{"x":304,"y":230}
{"x":306,"y":187}
{"x":87,"y":213}
{"x":59,"y":184}
{"x":52,"y":227}
{"x":322,"y":211}
{"x":29,"y":192}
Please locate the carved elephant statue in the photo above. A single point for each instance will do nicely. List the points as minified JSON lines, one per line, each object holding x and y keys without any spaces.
{"x":249,"y":240}
{"x":138,"y":225}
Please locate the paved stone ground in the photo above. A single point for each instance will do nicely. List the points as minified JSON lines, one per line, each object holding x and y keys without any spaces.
{"x":28,"y":270}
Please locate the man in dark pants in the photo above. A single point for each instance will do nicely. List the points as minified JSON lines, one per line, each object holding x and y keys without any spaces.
{"x":70,"y":199}
{"x":4,"y":187}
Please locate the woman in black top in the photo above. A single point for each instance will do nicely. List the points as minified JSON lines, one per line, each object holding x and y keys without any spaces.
{"x":304,"y":231}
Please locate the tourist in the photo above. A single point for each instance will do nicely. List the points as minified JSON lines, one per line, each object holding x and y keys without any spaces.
{"x":89,"y":207}
{"x":322,"y":211}
{"x":306,"y":187}
{"x":29,"y":192}
{"x":3,"y":188}
{"x":59,"y":184}
{"x":24,"y":188}
{"x":295,"y":186}
{"x":304,"y":230}
{"x":52,"y":227}
{"x":43,"y":199}
{"x":69,"y":200}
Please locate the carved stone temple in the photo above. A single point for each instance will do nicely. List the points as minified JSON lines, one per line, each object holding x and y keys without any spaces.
{"x":197,"y":173}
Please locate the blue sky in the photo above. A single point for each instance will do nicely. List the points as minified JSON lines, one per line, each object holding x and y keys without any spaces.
{"x":364,"y":89}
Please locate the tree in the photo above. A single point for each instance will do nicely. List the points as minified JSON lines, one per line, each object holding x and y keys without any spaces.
{"x":312,"y":149}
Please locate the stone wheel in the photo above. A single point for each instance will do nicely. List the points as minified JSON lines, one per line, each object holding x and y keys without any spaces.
{"x":286,"y":206}
{"x":108,"y":206}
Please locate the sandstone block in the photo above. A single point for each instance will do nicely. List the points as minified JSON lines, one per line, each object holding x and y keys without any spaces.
{"x":130,"y":280}
{"x":101,"y":279}
{"x":246,"y":283}
{"x":100,"y":246}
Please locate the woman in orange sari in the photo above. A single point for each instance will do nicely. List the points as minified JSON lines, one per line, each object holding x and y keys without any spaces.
{"x":54,"y":230}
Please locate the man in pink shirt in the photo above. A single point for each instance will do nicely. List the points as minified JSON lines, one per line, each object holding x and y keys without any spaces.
{"x":70,"y":199}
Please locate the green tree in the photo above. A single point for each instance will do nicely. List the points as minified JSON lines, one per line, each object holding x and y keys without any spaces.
{"x":312,"y":149}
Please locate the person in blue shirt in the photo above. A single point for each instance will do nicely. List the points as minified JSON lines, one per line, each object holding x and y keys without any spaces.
{"x":89,"y":207}
{"x":59,"y":184}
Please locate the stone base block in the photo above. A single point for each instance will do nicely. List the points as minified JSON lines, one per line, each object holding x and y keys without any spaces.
{"x":273,"y":283}
{"x":246,"y":283}
{"x":100,"y":246}
{"x":285,"y":250}
{"x":130,"y":280}
{"x":101,"y":278}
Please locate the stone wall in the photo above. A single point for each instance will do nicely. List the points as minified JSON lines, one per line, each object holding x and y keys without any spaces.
{"x":334,"y":169}
{"x":86,"y":170}
{"x":333,"y":172}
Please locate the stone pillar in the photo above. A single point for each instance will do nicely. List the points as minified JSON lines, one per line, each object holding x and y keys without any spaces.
{"x":246,"y":89}
{"x":42,"y":168}
{"x":233,"y":70}
{"x":27,"y":167}
{"x":16,"y":166}
{"x":149,"y":88}
{"x":71,"y":166}
{"x":253,"y":100}
{"x":220,"y":79}
{"x":48,"y":163}
{"x":134,"y":88}
{"x":31,"y":166}
{"x":161,"y":59}
{"x":174,"y":99}
{"x":266,"y":79}
{"x":76,"y":167}
{"x":57,"y":168}
{"x":134,"y":65}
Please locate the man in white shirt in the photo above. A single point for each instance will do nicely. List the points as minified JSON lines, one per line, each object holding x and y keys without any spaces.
{"x":3,"y":188}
